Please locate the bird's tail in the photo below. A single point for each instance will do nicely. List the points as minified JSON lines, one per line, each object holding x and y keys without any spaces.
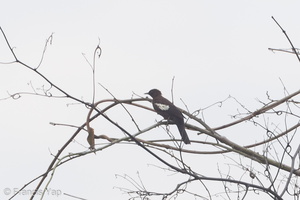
{"x":183,"y":133}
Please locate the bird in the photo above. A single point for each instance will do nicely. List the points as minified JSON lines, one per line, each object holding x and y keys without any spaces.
{"x":169,"y":111}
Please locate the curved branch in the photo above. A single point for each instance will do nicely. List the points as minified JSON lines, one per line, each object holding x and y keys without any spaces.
{"x":294,"y":49}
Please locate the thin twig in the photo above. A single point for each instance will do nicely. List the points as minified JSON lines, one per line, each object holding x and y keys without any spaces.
{"x":48,"y":41}
{"x":285,"y":50}
{"x":172,"y":89}
{"x":284,"y":32}
{"x":99,"y":50}
{"x":120,"y":102}
{"x":297,"y":152}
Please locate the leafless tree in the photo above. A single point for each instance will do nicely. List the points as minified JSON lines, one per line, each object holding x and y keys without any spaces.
{"x":274,"y":161}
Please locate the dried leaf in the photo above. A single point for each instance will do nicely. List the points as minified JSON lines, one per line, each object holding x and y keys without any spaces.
{"x":91,"y":138}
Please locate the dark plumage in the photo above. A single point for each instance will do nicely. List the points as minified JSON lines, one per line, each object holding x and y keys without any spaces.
{"x":170,"y":112}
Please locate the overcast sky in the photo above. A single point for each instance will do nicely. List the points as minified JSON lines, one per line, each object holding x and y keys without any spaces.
{"x":213,"y":49}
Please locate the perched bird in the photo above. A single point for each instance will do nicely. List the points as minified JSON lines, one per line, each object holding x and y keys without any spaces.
{"x":166,"y":109}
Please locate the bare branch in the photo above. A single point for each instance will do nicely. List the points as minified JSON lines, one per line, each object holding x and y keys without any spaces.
{"x":284,"y":32}
{"x":48,"y":41}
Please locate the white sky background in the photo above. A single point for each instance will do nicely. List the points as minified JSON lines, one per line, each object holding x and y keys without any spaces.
{"x":212,"y":48}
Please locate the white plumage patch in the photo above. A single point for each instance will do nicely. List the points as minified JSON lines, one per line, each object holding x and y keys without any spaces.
{"x":162,"y":106}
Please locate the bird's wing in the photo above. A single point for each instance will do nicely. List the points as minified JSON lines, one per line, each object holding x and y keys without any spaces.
{"x":165,"y":108}
{"x":162,"y":107}
{"x":175,"y":112}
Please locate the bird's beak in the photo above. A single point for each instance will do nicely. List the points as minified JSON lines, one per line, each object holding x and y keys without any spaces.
{"x":146,"y":93}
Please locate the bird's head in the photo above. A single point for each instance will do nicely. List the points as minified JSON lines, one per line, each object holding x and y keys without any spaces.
{"x":154,"y":93}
